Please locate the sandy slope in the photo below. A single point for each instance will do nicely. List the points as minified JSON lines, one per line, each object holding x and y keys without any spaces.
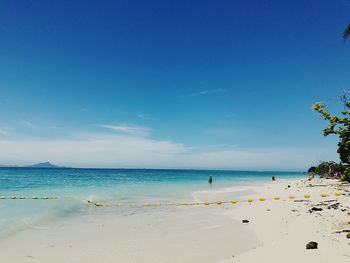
{"x":285,"y":227}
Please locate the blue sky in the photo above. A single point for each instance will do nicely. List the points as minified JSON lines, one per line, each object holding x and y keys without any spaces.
{"x":170,"y":84}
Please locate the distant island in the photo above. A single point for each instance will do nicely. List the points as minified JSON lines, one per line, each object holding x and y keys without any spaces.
{"x":44,"y":165}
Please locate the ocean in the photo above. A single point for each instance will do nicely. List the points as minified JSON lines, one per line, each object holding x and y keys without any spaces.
{"x":71,"y":188}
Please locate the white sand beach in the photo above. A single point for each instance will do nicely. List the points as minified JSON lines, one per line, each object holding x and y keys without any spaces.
{"x":174,"y":131}
{"x":283,"y":228}
{"x":278,"y":230}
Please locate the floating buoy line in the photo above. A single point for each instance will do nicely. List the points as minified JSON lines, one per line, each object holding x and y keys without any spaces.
{"x":305,"y":197}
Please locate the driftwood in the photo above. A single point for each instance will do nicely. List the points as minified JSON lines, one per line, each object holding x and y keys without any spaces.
{"x":334,"y":206}
{"x":342,"y":231}
{"x":327,"y":202}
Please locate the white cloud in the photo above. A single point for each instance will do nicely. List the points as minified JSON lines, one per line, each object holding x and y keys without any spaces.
{"x":128,"y":129}
{"x":205,"y":92}
{"x":116,"y":150}
{"x":93,"y":150}
{"x":143,"y":116}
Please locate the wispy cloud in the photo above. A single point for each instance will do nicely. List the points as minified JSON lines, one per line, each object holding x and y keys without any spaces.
{"x":113,"y":150}
{"x":129,"y":146}
{"x":205,"y":92}
{"x":35,"y":127}
{"x":128,"y":129}
{"x":27,"y":124}
{"x":3,"y":131}
{"x":143,"y":116}
{"x":92,"y":150}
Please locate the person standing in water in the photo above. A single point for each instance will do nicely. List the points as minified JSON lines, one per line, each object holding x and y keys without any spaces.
{"x":210,"y":180}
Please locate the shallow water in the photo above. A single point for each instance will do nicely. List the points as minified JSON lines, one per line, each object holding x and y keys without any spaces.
{"x":107,"y":185}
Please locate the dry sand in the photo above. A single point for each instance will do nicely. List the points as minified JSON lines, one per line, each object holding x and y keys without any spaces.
{"x":285,"y":227}
{"x":277,"y":231}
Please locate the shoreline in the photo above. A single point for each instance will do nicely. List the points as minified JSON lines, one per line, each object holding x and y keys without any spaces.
{"x":23,"y":211}
{"x":278,"y":230}
{"x":284,"y":227}
{"x":177,"y":234}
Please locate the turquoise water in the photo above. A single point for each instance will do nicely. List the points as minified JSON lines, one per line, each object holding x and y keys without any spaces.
{"x":105,"y":185}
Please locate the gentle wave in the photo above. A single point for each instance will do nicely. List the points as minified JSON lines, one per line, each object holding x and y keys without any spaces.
{"x":117,"y":186}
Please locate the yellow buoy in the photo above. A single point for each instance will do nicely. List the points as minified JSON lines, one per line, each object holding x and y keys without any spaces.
{"x":146,"y":205}
{"x":291,"y":197}
{"x":206,"y":203}
{"x":276,"y":198}
{"x":262,"y":199}
{"x":250,"y":200}
{"x":337,"y":193}
{"x":234,"y":201}
{"x":98,"y":204}
{"x":195,"y":203}
{"x":132,"y":205}
{"x":306,"y":196}
{"x":219,"y":203}
{"x":324,"y":195}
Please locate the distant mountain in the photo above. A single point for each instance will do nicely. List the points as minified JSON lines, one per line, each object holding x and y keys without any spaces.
{"x":43,"y":165}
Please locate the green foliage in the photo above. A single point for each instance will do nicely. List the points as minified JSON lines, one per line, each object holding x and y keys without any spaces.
{"x":329,"y":168}
{"x":323,"y":169}
{"x":346,"y":175}
{"x":339,"y":126}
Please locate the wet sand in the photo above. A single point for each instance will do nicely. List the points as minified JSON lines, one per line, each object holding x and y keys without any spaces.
{"x":278,"y":230}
